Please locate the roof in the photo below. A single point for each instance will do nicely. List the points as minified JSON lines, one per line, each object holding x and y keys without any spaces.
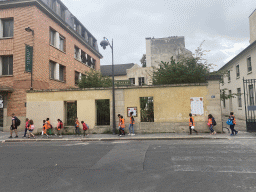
{"x":119,"y":69}
{"x":242,"y":52}
{"x":6,"y":4}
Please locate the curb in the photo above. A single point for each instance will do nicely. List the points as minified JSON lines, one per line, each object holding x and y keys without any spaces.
{"x":111,"y":139}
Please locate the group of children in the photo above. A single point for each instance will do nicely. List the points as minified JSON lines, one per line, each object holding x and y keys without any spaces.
{"x":77,"y":129}
{"x":211,"y":123}
{"x":122,"y":125}
{"x":47,"y":127}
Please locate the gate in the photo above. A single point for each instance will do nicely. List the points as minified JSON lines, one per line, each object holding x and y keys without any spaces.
{"x":250,"y":104}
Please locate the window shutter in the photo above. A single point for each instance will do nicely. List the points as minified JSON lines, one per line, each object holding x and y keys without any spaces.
{"x":1,"y":28}
{"x":57,"y":71}
{"x":1,"y":65}
{"x":57,"y":40}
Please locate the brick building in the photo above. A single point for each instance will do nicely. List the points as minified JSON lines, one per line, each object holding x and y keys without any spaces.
{"x":63,"y":49}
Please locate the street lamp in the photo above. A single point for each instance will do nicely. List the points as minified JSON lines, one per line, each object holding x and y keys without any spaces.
{"x":28,"y":29}
{"x":104,"y":43}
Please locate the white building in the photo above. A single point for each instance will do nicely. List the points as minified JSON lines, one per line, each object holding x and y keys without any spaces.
{"x":242,"y":66}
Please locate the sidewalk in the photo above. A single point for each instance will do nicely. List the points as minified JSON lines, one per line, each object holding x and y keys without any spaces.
{"x":108,"y":137}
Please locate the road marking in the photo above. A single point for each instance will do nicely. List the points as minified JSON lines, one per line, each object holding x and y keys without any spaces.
{"x":114,"y":142}
{"x":75,"y":144}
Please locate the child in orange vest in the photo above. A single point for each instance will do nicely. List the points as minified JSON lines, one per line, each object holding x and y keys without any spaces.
{"x":232,"y":127}
{"x":211,"y":125}
{"x":192,"y":124}
{"x":121,"y":127}
{"x":77,"y":126}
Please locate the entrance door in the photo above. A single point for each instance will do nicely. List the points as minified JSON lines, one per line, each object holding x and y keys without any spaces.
{"x":250,"y":107}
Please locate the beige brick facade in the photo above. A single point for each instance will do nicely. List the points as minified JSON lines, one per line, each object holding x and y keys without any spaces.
{"x":33,"y":17}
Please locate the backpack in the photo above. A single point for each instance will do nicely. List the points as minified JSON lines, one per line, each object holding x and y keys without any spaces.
{"x":229,"y":122}
{"x":17,"y":121}
{"x":213,"y":121}
{"x":87,"y":126}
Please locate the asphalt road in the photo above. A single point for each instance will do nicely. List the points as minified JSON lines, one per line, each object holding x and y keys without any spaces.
{"x":185,"y":165}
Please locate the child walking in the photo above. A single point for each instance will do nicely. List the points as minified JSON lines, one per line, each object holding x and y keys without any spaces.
{"x":59,"y":127}
{"x":31,"y":128}
{"x":210,"y":124}
{"x":77,"y":126}
{"x":45,"y":127}
{"x":85,"y":128}
{"x":121,"y":126}
{"x":192,"y":124}
{"x":232,"y":127}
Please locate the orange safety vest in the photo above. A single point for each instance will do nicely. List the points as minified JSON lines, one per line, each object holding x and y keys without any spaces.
{"x":48,"y":124}
{"x":132,"y":121}
{"x":234,"y":119}
{"x":122,"y":123}
{"x":77,"y":123}
{"x":210,"y":121}
{"x":190,"y":123}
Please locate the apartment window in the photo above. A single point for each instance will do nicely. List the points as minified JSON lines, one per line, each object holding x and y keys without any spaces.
{"x":249,"y":64}
{"x":93,"y":63}
{"x":239,"y":98}
{"x":141,"y":81}
{"x":52,"y":69}
{"x":132,"y":80}
{"x":77,"y":77}
{"x":251,"y":95}
{"x":62,"y":73}
{"x":57,"y":71}
{"x":7,"y":65}
{"x":224,"y":103}
{"x":237,"y":71}
{"x":89,"y":59}
{"x":83,"y":57}
{"x":7,"y":27}
{"x":77,"y":55}
{"x":62,"y":44}
{"x":52,"y":37}
{"x":229,"y":78}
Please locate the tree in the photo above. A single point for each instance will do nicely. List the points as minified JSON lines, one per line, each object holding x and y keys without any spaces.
{"x":94,"y":79}
{"x":192,"y":69}
{"x":143,"y":61}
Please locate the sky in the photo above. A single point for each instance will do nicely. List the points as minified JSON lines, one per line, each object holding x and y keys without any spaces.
{"x":223,"y":25}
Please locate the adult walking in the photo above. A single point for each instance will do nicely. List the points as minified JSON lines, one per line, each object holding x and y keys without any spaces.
{"x":14,"y":126}
{"x":210,"y":117}
{"x":232,"y":127}
{"x":192,"y":124}
{"x":131,"y":124}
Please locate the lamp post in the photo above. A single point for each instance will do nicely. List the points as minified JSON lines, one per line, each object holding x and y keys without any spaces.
{"x":104,"y":43}
{"x":28,"y":29}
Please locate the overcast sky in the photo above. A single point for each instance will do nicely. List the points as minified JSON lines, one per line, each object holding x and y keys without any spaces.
{"x":223,"y":24}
